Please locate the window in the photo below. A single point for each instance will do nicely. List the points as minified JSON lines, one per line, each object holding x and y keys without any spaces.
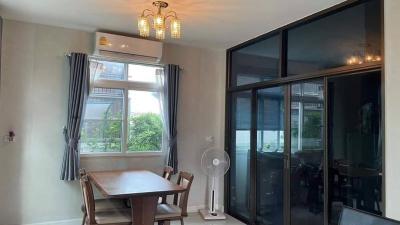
{"x":257,"y":62}
{"x":123,"y":111}
{"x":330,"y":42}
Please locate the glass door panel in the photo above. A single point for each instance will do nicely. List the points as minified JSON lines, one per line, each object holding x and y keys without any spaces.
{"x":307,"y":153}
{"x":270,"y":158}
{"x":239,"y":203}
{"x":354,"y":144}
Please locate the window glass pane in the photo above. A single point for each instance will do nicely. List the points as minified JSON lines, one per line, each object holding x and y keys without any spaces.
{"x":145,"y":127}
{"x":355,"y":144}
{"x":239,"y":186}
{"x":307,"y":152}
{"x":102,"y":125}
{"x":270,"y":146}
{"x":334,"y":40}
{"x":143,"y":73}
{"x":110,"y":71}
{"x":256,"y":62}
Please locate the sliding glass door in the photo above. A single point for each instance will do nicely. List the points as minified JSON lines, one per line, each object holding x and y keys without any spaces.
{"x":302,"y":151}
{"x":269,"y":155}
{"x":307,"y":153}
{"x":354,"y":143}
{"x":239,"y":188}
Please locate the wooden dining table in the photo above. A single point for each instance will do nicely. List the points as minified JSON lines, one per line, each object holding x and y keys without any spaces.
{"x":142,"y":187}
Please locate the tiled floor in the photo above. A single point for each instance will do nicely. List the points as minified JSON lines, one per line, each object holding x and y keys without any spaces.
{"x":195,"y":219}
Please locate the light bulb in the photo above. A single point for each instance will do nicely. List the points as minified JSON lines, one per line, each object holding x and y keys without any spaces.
{"x":175,"y":28}
{"x":159,"y":21}
{"x":352,"y":60}
{"x":160,"y":34}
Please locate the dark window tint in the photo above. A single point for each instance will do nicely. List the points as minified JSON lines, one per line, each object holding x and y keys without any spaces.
{"x":307,"y":153}
{"x":270,"y":145}
{"x":240,"y":155}
{"x":351,"y":36}
{"x":354,"y":146}
{"x":256,"y":62}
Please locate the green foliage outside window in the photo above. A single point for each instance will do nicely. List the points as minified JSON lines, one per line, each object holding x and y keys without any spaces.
{"x":144,"y":133}
{"x":312,"y":124}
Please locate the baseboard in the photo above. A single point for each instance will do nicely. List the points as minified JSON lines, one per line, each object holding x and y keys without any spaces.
{"x":191,"y":209}
{"x":60,"y":222}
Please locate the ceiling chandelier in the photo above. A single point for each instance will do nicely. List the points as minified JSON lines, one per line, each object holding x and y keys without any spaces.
{"x":159,"y":22}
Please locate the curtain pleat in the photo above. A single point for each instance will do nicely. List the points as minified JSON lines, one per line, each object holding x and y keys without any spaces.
{"x":78,"y":93}
{"x":170,"y":102}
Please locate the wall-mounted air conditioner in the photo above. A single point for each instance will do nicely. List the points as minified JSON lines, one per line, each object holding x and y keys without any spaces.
{"x":119,"y":47}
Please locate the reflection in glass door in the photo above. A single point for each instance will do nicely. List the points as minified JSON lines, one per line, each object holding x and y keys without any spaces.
{"x":354,"y":144}
{"x":239,"y":203}
{"x":270,"y":148}
{"x":335,"y":159}
{"x":307,"y":153}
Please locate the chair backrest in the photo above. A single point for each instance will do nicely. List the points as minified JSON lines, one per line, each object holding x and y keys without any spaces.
{"x":354,"y":216}
{"x":168,"y":172}
{"x":185,"y":180}
{"x":88,"y":197}
{"x":82,"y":172}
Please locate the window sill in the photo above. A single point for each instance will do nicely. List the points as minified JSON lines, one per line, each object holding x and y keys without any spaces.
{"x":119,"y":154}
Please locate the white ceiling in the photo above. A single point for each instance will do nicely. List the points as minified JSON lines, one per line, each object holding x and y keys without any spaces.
{"x":206,"y":23}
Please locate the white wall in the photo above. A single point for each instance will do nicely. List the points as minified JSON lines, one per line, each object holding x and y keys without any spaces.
{"x":33,"y":102}
{"x":392,"y":104}
{"x":201,"y":109}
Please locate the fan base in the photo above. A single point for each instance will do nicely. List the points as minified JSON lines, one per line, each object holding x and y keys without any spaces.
{"x":206,"y":214}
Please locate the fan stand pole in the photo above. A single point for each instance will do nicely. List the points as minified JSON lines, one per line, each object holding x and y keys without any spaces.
{"x":212,"y":208}
{"x":211,"y":213}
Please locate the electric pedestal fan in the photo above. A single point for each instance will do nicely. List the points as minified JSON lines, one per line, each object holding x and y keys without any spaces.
{"x":214,"y":163}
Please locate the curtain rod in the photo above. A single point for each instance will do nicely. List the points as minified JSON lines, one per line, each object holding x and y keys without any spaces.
{"x":105,"y":59}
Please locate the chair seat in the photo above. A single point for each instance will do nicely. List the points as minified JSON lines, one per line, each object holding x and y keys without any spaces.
{"x":107,"y":204}
{"x":166,"y":211}
{"x":122,"y":216}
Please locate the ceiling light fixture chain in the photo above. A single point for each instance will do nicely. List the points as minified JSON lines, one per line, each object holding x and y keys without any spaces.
{"x":159,"y":22}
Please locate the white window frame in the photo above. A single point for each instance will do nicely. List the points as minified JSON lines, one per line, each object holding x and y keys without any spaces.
{"x":126,"y":86}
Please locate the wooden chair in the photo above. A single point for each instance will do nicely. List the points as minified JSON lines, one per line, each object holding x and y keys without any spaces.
{"x":178,"y":210}
{"x":167,"y":173}
{"x":103,"y":216}
{"x":102,"y":204}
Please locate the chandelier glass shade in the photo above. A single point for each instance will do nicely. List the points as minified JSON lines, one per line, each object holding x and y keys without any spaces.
{"x":159,"y":22}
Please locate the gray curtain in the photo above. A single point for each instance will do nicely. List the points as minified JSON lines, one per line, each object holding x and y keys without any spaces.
{"x":170,"y":102}
{"x":78,"y":93}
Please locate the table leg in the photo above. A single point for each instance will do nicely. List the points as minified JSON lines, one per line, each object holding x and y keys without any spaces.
{"x":144,"y":210}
